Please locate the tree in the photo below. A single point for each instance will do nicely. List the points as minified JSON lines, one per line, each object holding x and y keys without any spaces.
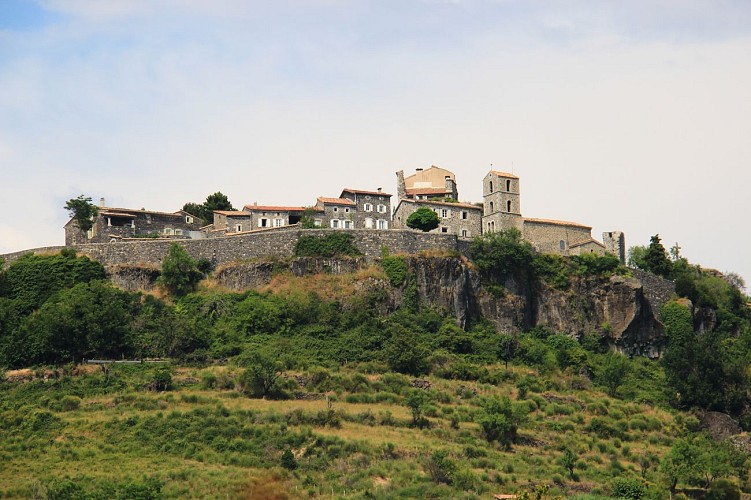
{"x":83,"y":211}
{"x":508,"y":344}
{"x":417,"y":401}
{"x":568,"y":460}
{"x":180,"y":273}
{"x":205,"y":210}
{"x":499,"y":255}
{"x":615,"y":367}
{"x":637,"y":257}
{"x":261,"y":375}
{"x":423,"y":219}
{"x":404,"y":353}
{"x":680,"y":464}
{"x":656,"y":259}
{"x":500,"y":420}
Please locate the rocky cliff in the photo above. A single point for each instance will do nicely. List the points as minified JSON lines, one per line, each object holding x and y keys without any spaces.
{"x":625,"y":310}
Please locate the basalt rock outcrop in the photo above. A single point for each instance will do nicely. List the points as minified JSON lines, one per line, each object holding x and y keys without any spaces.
{"x":622,"y":309}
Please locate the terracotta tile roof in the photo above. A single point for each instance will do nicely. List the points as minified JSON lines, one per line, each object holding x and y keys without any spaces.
{"x":230,"y":213}
{"x":427,"y":191}
{"x":503,"y":174}
{"x":134,"y":211}
{"x":591,"y":240}
{"x":360,"y":191}
{"x":556,"y":222}
{"x":335,"y":201}
{"x":444,"y":204}
{"x":273,"y":208}
{"x":118,"y":214}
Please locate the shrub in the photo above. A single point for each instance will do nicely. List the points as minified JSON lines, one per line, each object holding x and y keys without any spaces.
{"x":423,"y":219}
{"x":440,"y":468}
{"x":500,"y":419}
{"x":335,"y":244}
{"x":288,"y":460}
{"x":628,"y":487}
{"x":70,"y":403}
{"x":395,"y":268}
{"x":260,"y":377}
{"x":180,"y":273}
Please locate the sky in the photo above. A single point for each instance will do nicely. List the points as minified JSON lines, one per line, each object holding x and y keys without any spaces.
{"x":631,"y":116}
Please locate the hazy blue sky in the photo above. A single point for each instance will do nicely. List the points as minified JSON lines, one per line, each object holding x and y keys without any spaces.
{"x":623,"y":115}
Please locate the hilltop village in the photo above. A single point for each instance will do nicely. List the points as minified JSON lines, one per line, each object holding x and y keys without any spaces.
{"x":434,"y":188}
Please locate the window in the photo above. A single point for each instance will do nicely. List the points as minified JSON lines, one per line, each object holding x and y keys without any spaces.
{"x":382,"y":224}
{"x":368,"y":207}
{"x":492,"y":226}
{"x":464,"y":233}
{"x":278,"y":222}
{"x":178,"y":232}
{"x":263,"y":222}
{"x":562,"y":244}
{"x":508,"y":206}
{"x":491,"y":186}
{"x":444,"y":230}
{"x":346,"y":210}
{"x":491,"y":207}
{"x":334,"y":223}
{"x":444,"y":213}
{"x":347,"y":224}
{"x":90,"y":233}
{"x":239,"y":228}
{"x":368,"y":223}
{"x":317,"y":222}
{"x":381,"y":209}
{"x":465,"y":214}
{"x":188,"y":219}
{"x":508,"y":185}
{"x":336,"y":209}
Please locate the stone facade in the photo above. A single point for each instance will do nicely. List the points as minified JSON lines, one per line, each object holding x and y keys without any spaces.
{"x":115,"y":224}
{"x":272,"y":216}
{"x":588,"y":246}
{"x":372,"y":208}
{"x":337,"y":213}
{"x":551,"y":236}
{"x":615,"y":243}
{"x":434,"y":183}
{"x":501,"y":202}
{"x":461,"y":219}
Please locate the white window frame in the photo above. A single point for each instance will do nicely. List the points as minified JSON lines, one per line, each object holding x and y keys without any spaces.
{"x":381,"y":209}
{"x":369,"y":223}
{"x":346,"y":210}
{"x":444,"y":213}
{"x":368,"y":207}
{"x":238,"y":228}
{"x":279,"y":222}
{"x":334,"y":223}
{"x":317,"y":222}
{"x":347,"y":224}
{"x":188,"y":219}
{"x":383,"y":224}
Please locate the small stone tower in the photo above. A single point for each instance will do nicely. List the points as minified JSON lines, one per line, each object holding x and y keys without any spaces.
{"x":401,"y":189}
{"x":502,"y":202}
{"x":615,"y":243}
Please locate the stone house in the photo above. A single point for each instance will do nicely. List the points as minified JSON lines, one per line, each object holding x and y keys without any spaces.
{"x":434,"y":183}
{"x":461,"y":219}
{"x":116,"y":224}
{"x":372,"y":208}
{"x":336,"y":213}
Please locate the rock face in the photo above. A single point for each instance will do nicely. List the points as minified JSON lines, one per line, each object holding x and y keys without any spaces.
{"x":618,"y":308}
{"x":623,"y":310}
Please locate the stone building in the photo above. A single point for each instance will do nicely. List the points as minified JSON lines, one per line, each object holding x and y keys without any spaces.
{"x":502,"y":210}
{"x":372,"y":208}
{"x":273,"y":216}
{"x":115,"y":224}
{"x":461,"y":219}
{"x":336,"y":213}
{"x":427,"y":184}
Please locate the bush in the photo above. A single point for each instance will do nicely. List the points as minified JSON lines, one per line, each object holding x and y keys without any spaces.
{"x":440,"y":468}
{"x":628,"y":487}
{"x":395,"y":268}
{"x":70,"y":403}
{"x":288,"y":460}
{"x":335,"y":244}
{"x":180,"y":274}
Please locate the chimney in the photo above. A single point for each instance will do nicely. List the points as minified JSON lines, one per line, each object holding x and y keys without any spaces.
{"x":101,"y":202}
{"x":418,"y":170}
{"x":450,"y":186}
{"x":380,"y":189}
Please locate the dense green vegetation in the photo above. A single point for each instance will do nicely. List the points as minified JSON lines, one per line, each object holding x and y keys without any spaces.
{"x":83,"y":211}
{"x":205,"y":210}
{"x":308,"y":388}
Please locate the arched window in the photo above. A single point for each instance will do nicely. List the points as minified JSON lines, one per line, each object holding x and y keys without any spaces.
{"x":508,"y":185}
{"x":508,"y":206}
{"x":562,"y":244}
{"x":492,"y":226}
{"x":491,"y":207}
{"x":491,"y":186}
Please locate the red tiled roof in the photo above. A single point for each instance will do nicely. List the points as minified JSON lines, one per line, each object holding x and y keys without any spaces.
{"x":428,"y":191}
{"x":591,"y":240}
{"x":443,"y":204}
{"x":360,"y":191}
{"x":503,"y":174}
{"x":230,"y":213}
{"x":335,"y":201}
{"x":118,"y":214}
{"x":273,"y":208}
{"x":556,"y":222}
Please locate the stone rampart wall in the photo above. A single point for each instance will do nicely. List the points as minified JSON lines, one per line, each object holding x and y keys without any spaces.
{"x":657,"y":289}
{"x":252,"y":246}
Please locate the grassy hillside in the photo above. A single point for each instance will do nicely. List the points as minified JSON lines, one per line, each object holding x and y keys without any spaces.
{"x":95,"y":432}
